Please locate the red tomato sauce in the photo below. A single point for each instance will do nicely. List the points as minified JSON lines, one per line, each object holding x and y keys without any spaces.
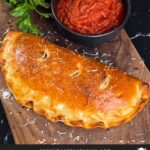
{"x":90,"y":16}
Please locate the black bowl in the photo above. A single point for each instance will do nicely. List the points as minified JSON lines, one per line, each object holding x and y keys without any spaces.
{"x":91,"y":39}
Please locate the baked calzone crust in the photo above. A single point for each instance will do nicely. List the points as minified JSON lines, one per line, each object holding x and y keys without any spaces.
{"x":65,"y":86}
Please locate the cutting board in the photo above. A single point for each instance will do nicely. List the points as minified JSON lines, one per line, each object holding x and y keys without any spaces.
{"x":29,"y":128}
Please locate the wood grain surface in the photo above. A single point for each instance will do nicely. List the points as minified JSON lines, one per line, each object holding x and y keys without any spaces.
{"x":29,"y":128}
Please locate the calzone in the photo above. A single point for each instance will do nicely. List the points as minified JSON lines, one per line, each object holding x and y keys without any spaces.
{"x":65,"y":86}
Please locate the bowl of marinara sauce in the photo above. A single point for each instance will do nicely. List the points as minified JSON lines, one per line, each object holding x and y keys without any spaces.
{"x":91,"y":21}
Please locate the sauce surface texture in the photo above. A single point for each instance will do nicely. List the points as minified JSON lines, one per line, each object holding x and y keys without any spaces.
{"x":90,"y":16}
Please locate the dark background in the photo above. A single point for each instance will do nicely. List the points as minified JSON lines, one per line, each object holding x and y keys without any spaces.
{"x":139,"y":24}
{"x":138,"y":28}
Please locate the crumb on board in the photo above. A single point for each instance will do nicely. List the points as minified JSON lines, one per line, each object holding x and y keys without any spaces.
{"x":10,"y":113}
{"x":42,"y":131}
{"x":41,"y":141}
{"x":142,"y":62}
{"x":121,"y":141}
{"x":6,"y":94}
{"x":143,"y":141}
{"x":77,"y":138}
{"x":133,"y":141}
{"x":29,"y":121}
{"x":61,"y":133}
{"x":86,"y":141}
{"x":131,"y":123}
{"x":54,"y":141}
{"x":133,"y":58}
{"x":70,"y":134}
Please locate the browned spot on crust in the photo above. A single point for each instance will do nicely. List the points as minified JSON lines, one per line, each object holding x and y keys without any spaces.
{"x":77,"y":123}
{"x":99,"y":124}
{"x":123,"y":121}
{"x":42,"y":112}
{"x":29,"y":104}
{"x":60,"y":118}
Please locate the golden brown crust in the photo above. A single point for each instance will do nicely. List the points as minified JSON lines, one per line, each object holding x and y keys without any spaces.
{"x":65,"y":86}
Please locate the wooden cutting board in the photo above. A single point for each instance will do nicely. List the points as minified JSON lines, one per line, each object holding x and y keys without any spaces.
{"x":29,"y":128}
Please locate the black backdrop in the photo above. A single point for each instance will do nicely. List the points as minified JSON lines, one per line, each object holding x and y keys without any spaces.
{"x":139,"y":25}
{"x":138,"y":28}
